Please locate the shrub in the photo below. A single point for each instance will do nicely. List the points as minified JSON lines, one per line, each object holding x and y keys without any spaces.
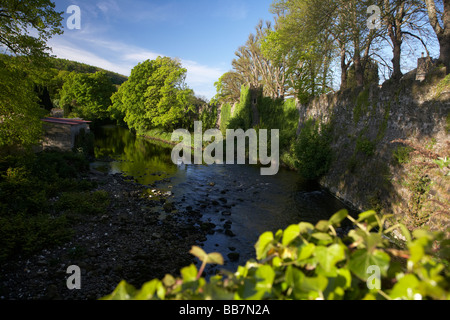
{"x":27,"y":184}
{"x":402,"y":154}
{"x":306,"y":262}
{"x":365,"y":146}
{"x":225,"y":116}
{"x":280,"y":114}
{"x":313,"y":150}
{"x":76,"y":204}
{"x":27,"y":234}
{"x":242,"y":116}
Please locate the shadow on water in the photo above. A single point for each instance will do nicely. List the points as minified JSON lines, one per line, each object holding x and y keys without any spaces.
{"x":236,"y":199}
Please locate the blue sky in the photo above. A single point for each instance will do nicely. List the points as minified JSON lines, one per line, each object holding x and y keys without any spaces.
{"x":118,"y":34}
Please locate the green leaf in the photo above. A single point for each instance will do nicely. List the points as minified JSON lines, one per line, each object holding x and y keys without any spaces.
{"x":215,"y":258}
{"x":406,"y":233}
{"x":420,"y":233}
{"x":199,"y":253}
{"x":212,"y":258}
{"x":338,"y":284}
{"x":265,"y":276}
{"x":169,"y":280}
{"x":366,"y":215}
{"x":416,"y":251}
{"x":290,"y":234}
{"x":189,"y":273}
{"x":337,"y":218}
{"x":406,"y":288}
{"x":322,"y":236}
{"x":262,"y":246}
{"x":305,"y":251}
{"x":329,"y":256}
{"x":373,"y":240}
{"x":124,"y":291}
{"x":149,"y":289}
{"x":259,"y":286}
{"x":305,"y":227}
{"x":361,"y":259}
{"x":314,"y":285}
{"x":277,"y":262}
{"x":323,"y":226}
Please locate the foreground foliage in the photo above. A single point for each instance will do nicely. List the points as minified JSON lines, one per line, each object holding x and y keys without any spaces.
{"x":307,"y":262}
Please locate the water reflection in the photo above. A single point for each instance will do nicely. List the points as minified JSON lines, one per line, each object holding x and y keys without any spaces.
{"x":118,"y":150}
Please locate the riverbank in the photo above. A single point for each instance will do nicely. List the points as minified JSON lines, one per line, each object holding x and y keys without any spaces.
{"x":139,"y":238}
{"x":287,"y":160}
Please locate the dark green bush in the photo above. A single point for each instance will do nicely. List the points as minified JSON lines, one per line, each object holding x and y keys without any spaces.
{"x":25,"y":234}
{"x":279,"y":114}
{"x":77,"y":204}
{"x":402,"y":154}
{"x":365,"y":146}
{"x":313,"y":150}
{"x":242,"y":116}
{"x":225,"y":116}
{"x":28,"y":219}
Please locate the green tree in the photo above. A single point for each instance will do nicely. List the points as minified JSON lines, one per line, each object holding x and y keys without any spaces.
{"x":25,"y":27}
{"x":155,"y":95}
{"x":19,"y":18}
{"x":87,"y":95}
{"x":228,"y":87}
{"x":19,"y":108}
{"x":301,"y":46}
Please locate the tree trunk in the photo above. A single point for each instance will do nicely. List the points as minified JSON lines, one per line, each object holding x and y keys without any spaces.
{"x":444,"y":39}
{"x":397,"y":51}
{"x":442,"y":32}
{"x":444,"y":42}
{"x":394,"y":27}
{"x":359,"y":72}
{"x":344,"y":68}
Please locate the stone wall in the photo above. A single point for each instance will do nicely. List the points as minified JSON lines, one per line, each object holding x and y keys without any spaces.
{"x":364,"y":172}
{"x":61,"y":136}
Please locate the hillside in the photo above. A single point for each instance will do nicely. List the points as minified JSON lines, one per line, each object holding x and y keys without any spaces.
{"x":68,"y":65}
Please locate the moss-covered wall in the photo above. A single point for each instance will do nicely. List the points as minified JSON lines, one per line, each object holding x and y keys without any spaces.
{"x":365,"y":171}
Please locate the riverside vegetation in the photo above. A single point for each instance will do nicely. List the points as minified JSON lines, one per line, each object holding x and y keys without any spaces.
{"x":44,"y":194}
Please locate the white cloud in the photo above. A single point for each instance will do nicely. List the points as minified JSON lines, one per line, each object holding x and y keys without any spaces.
{"x":69,"y":52}
{"x":106,"y":6}
{"x":200,"y":74}
{"x":140,"y":56}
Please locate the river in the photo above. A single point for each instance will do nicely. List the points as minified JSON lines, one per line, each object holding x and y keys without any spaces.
{"x":232,"y":197}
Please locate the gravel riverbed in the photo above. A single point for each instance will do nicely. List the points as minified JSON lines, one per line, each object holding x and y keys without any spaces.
{"x":140,"y":238}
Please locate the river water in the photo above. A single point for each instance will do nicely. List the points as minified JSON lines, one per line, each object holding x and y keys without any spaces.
{"x":233,"y":197}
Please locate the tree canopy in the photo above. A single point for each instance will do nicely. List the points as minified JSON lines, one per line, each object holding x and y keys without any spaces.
{"x":155,"y":95}
{"x":25,"y":28}
{"x":19,"y":18}
{"x":87,"y":95}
